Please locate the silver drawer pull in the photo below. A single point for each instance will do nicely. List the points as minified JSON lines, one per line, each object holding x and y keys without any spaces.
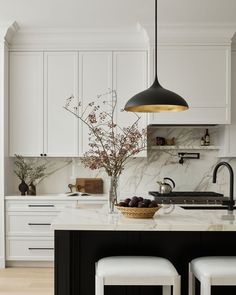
{"x":40,"y":248}
{"x":39,"y":223}
{"x":41,"y":206}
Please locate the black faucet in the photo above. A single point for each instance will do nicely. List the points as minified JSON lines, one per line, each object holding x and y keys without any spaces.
{"x":230,"y":203}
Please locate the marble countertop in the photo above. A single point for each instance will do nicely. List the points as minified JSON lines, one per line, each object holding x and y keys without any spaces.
{"x":177,"y":220}
{"x":58,"y":197}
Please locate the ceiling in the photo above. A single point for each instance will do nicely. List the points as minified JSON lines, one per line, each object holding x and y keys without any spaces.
{"x":82,"y":14}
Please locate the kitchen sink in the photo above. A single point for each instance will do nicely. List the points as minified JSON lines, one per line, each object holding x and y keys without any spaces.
{"x":206,"y":207}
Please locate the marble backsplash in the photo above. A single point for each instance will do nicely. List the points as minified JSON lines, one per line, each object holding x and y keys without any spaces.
{"x":139,"y":176}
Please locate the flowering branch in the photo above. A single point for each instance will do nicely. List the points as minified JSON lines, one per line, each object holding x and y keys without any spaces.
{"x":110,"y":145}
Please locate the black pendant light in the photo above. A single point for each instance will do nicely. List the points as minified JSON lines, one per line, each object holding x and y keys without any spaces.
{"x":156,"y":98}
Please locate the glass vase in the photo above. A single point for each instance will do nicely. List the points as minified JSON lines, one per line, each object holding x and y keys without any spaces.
{"x":112,"y":195}
{"x":32,"y":189}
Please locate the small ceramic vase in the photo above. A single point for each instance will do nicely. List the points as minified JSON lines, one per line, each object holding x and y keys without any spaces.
{"x":23,"y":188}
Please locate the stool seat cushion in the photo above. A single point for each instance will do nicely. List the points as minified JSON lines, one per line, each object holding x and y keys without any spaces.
{"x":220,"y":266}
{"x":135,"y":266}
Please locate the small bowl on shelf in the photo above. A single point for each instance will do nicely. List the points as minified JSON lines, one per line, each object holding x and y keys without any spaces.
{"x":134,"y":212}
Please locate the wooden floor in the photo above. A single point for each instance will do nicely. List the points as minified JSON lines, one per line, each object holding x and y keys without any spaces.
{"x":25,"y":281}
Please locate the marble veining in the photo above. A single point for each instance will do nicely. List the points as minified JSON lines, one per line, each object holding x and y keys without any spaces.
{"x":141,"y":174}
{"x":178,"y":220}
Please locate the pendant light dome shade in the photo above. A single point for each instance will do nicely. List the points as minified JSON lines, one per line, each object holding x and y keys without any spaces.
{"x":156,"y":98}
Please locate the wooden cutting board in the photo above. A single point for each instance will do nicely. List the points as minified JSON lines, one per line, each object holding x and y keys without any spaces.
{"x":90,"y":185}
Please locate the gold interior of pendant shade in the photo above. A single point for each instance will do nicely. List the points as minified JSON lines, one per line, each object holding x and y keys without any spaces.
{"x":157,"y":108}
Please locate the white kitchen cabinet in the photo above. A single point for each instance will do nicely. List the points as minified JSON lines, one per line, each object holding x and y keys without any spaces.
{"x":229,"y":131}
{"x":29,"y":236}
{"x":129,"y":78}
{"x":28,"y":228}
{"x":95,"y":77}
{"x":123,"y":71}
{"x":33,"y":223}
{"x":39,"y":85}
{"x":232,"y":127}
{"x":201,"y":75}
{"x":60,"y":82}
{"x":29,"y":249}
{"x":26,"y":103}
{"x":85,"y":74}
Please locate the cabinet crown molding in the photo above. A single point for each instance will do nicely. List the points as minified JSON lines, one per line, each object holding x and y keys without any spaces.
{"x":76,"y":39}
{"x":7,"y":32}
{"x":190,"y":34}
{"x":234,"y":43}
{"x":126,"y":38}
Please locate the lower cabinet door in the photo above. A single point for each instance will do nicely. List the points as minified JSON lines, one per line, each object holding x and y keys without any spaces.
{"x":30,"y":249}
{"x":38,"y":205}
{"x":29,"y":224}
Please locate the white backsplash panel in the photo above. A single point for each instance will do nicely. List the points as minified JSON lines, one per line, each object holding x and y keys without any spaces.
{"x":140,"y":174}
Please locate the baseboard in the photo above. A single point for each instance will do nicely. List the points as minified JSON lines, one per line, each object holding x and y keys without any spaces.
{"x":29,"y":264}
{"x":2,"y":263}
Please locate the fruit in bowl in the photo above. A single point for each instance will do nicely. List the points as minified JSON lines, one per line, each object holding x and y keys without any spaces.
{"x":137,"y":207}
{"x":138,"y":202}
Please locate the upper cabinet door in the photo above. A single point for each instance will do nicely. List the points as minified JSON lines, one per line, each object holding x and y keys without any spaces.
{"x":201,"y":75}
{"x":232,"y":132}
{"x":95,"y":77}
{"x":229,"y":132}
{"x":129,"y":78}
{"x":26,"y":103}
{"x":60,"y":82}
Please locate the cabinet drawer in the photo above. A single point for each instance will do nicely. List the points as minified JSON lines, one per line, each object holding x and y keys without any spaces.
{"x":38,"y":205}
{"x":35,"y":249}
{"x":19,"y":224}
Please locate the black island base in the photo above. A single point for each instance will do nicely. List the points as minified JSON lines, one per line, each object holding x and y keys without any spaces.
{"x":77,"y":251}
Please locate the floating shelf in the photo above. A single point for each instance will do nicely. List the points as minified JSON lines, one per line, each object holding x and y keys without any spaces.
{"x":180,"y":147}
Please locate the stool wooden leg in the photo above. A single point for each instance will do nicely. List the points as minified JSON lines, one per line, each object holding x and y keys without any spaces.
{"x":166,"y":290}
{"x":177,"y":286}
{"x":99,"y":286}
{"x":191,"y":282}
{"x":205,"y":287}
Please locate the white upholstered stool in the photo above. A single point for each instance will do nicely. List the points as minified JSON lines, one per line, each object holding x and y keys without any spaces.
{"x":212,"y":271}
{"x":137,"y":270}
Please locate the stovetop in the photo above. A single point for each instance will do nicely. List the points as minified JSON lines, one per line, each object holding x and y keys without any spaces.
{"x":188,"y":197}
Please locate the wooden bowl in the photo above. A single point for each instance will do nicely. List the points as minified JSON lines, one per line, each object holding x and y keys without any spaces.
{"x":134,"y":212}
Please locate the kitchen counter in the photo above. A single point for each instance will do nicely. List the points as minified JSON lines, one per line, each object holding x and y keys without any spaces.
{"x":58,"y":197}
{"x":82,"y":236}
{"x":178,"y":220}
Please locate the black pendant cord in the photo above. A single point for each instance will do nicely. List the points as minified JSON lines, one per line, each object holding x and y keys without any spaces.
{"x":156,"y":82}
{"x":155,"y":39}
{"x":156,"y":99}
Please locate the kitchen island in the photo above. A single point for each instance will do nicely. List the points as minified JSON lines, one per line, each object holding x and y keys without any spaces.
{"x":82,"y":236}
